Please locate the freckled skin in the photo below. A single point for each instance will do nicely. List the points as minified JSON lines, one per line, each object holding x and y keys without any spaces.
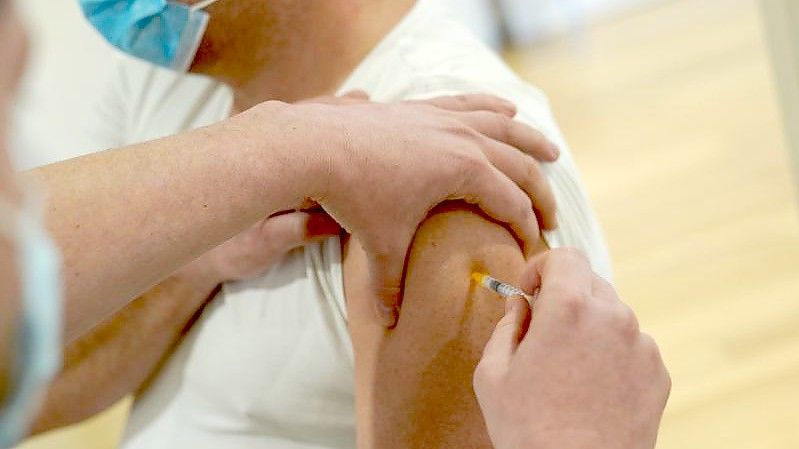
{"x":414,"y":383}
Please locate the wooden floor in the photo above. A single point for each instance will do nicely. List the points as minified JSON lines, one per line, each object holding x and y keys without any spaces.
{"x":671,"y":113}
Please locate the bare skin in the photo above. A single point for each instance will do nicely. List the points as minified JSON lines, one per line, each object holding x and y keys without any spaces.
{"x":414,"y":383}
{"x":127,"y":349}
{"x":578,"y":373}
{"x":120,"y":355}
{"x":254,"y":86}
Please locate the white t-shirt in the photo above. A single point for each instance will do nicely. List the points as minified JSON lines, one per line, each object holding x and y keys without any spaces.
{"x":269,"y":364}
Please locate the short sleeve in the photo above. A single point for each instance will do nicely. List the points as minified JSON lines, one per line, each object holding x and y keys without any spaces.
{"x":578,"y":224}
{"x":107,"y":127}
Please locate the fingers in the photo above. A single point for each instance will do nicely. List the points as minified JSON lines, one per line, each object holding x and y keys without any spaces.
{"x":503,"y":200}
{"x":603,"y":291}
{"x":508,"y":332}
{"x":288,"y":231}
{"x":357,"y":94}
{"x":527,"y":174}
{"x":386,"y":269}
{"x":351,"y":97}
{"x":562,"y":275}
{"x":319,"y":225}
{"x":472,"y":102}
{"x":512,"y":132}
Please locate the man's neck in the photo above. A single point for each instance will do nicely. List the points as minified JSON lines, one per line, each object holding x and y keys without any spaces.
{"x":316,"y":62}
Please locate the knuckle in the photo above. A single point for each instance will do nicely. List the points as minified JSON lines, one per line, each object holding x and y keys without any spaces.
{"x":480,"y":375}
{"x":461,"y":100}
{"x":655,"y":360}
{"x":667,"y":383}
{"x":479,"y":379}
{"x":650,"y":345}
{"x":504,"y":127}
{"x":542,"y":188}
{"x":471,"y":162}
{"x":381,"y":251}
{"x":652,"y":350}
{"x":480,"y":371}
{"x":574,"y":303}
{"x":526,"y":212}
{"x":604,"y":288}
{"x":627,"y":322}
{"x":454,"y":128}
{"x":531,"y":221}
{"x":280,"y":235}
{"x":487,"y":375}
{"x":532,"y":171}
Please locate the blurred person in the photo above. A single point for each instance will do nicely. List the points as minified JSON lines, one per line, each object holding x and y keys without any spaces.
{"x":9,"y":196}
{"x":30,"y":346}
{"x":270,"y":361}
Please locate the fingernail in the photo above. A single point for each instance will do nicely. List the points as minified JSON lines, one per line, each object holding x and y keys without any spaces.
{"x":554,"y":150}
{"x":387,"y":314}
{"x":509,"y":106}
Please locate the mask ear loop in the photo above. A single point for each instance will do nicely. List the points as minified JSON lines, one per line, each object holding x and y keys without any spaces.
{"x":41,"y":314}
{"x":9,"y":219}
{"x":30,"y":207}
{"x":202,"y":5}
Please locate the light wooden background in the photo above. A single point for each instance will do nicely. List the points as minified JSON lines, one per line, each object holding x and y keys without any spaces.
{"x":671,"y":112}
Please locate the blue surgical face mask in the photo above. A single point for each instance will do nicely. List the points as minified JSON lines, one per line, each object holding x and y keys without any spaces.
{"x":165,"y":33}
{"x":37,"y":351}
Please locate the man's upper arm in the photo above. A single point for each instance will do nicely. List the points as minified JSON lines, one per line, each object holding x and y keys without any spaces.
{"x":414,"y":383}
{"x":578,"y":225}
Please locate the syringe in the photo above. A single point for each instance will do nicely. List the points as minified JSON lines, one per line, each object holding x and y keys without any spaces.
{"x":502,"y":288}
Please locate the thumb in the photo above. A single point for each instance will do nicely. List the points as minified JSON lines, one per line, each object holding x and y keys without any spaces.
{"x":386,"y":269}
{"x":508,"y":332}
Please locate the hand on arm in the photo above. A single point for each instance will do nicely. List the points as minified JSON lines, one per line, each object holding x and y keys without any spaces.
{"x":124,"y":218}
{"x":582,"y":375}
{"x":469,"y":150}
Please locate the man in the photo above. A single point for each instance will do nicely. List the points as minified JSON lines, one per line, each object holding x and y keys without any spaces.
{"x":273,"y":165}
{"x":183,"y":185}
{"x":269,"y":363}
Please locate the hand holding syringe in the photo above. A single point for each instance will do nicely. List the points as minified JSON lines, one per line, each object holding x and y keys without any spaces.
{"x":580,"y":363}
